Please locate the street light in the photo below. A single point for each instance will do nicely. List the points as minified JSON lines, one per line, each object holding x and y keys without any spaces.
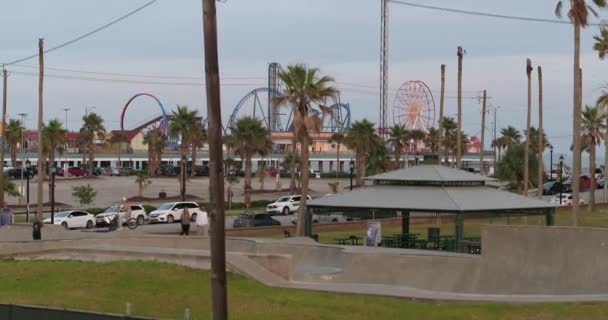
{"x":352,"y":169}
{"x":184,"y":161}
{"x":28,"y":165}
{"x":52,"y":186}
{"x":561,"y":179}
{"x":551,"y":163}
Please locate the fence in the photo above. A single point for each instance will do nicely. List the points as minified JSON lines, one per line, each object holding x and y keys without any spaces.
{"x":21,"y":312}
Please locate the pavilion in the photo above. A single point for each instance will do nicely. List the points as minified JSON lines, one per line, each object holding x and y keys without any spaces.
{"x":432,"y":190}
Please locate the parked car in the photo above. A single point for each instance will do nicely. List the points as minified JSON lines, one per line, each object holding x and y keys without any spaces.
{"x":285,"y":205}
{"x":552,"y":187}
{"x":201,"y":171}
{"x":113,"y":172}
{"x":73,"y":219}
{"x":333,"y":217}
{"x":567,"y":199}
{"x":85,"y":168}
{"x":15,"y":173}
{"x":168,"y":170}
{"x":251,"y":219}
{"x":77,"y":172}
{"x":172,"y":211}
{"x":124,"y":172}
{"x":137,"y":212}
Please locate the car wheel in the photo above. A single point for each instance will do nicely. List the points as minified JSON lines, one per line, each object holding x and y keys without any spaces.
{"x":65,"y":225}
{"x":89,"y":224}
{"x":169,"y":219}
{"x":286,"y":211}
{"x":140,"y":220}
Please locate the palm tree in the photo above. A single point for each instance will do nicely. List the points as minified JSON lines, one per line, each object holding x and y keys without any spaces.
{"x":510,"y":136}
{"x":304,"y":86}
{"x":449,"y":128}
{"x":53,"y":135}
{"x":417,"y":136}
{"x":431,"y":140}
{"x":601,"y":43}
{"x":155,"y":141}
{"x":593,"y":122}
{"x":511,"y":166}
{"x":601,"y":46}
{"x":459,"y":139}
{"x":181,"y":122}
{"x":14,"y":132}
{"x":398,"y":137}
{"x":534,"y":138}
{"x":578,"y":13}
{"x":92,"y":129}
{"x":463,"y":142}
{"x":119,"y":138}
{"x":198,"y":138}
{"x":527,"y":131}
{"x":338,"y":139}
{"x":378,"y":159}
{"x":362,"y":138}
{"x":249,"y":137}
{"x":261,"y":173}
{"x":498,"y":143}
{"x":143,"y":180}
{"x":231,"y":179}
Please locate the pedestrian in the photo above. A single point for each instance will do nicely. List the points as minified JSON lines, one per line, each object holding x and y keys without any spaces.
{"x":6,"y":215}
{"x":127,"y":207}
{"x":185,"y":221}
{"x":202,"y":223}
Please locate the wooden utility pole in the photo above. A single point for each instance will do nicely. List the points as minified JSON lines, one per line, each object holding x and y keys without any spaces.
{"x":576,"y":144}
{"x":541,"y":142}
{"x":482,"y":167}
{"x":494,"y":139}
{"x":219,"y":289}
{"x":4,"y":94}
{"x":41,"y":170}
{"x":527,"y":151}
{"x":441,"y":101}
{"x":460,"y":54}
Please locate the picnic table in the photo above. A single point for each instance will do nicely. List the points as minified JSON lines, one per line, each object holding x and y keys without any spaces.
{"x":471,"y":245}
{"x":351,"y":240}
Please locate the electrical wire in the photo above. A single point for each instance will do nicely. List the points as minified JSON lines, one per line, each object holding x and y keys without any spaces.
{"x":90,"y":33}
{"x":486,"y":14}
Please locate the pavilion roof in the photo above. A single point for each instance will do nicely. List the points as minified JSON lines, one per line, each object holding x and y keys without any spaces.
{"x":434,"y":174}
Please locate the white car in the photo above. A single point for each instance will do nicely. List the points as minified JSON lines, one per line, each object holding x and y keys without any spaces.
{"x":137,"y":212}
{"x":172,"y":211}
{"x":285,"y":205}
{"x":73,"y":219}
{"x":333,"y":217}
{"x":566,"y":199}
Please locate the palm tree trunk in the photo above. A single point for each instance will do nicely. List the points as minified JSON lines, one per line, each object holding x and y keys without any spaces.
{"x":338,"y":160}
{"x":248,"y":169}
{"x":14,"y":155}
{"x":292,"y":165}
{"x":397,"y":158}
{"x":528,"y":119}
{"x":304,"y":190}
{"x":593,"y":180}
{"x":193,"y":170}
{"x":576,"y":127}
{"x":360,"y":166}
{"x":541,"y":143}
{"x":91,"y":160}
{"x":441,"y":103}
{"x":84,"y":154}
{"x":119,"y":163}
{"x":459,"y":129}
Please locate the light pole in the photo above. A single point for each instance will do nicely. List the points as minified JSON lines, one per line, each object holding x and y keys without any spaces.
{"x":22,"y":145}
{"x":28,"y":165}
{"x":184,"y":161}
{"x":561,"y":180}
{"x":65,"y":165}
{"x":551,"y":162}
{"x":52,"y":186}
{"x":352,"y":169}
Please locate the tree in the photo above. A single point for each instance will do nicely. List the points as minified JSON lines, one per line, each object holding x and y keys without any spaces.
{"x":92,"y":129}
{"x":85,"y":195}
{"x":142,"y":180}
{"x":534,"y":138}
{"x":593,"y":121}
{"x":231,"y":179}
{"x":578,"y":13}
{"x":511,"y":166}
{"x":601,"y":43}
{"x":14,"y":132}
{"x":10,"y":188}
{"x":53,"y":135}
{"x":449,"y":131}
{"x":527,"y":150}
{"x":601,"y":46}
{"x":181,"y":123}
{"x":155,"y":140}
{"x":338,"y":139}
{"x":463,"y":142}
{"x":362,"y":139}
{"x":304,"y":86}
{"x":249,"y":137}
{"x":261,"y":173}
{"x":197,"y":137}
{"x":431,"y":140}
{"x":398,"y":137}
{"x":510,"y":136}
{"x":378,"y":159}
{"x":417,"y":136}
{"x":460,"y":53}
{"x":119,"y":138}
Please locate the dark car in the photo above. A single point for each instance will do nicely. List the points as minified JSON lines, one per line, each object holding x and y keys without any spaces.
{"x":124,"y":172}
{"x":169,"y":170}
{"x":237,"y":172}
{"x":201,"y":171}
{"x":552,"y":187}
{"x":15,"y":173}
{"x":77,"y":172}
{"x":249,"y":220}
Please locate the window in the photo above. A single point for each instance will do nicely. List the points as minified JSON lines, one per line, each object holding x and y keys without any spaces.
{"x":260,"y":217}
{"x":296,"y":199}
{"x":192,"y":205}
{"x":78,"y":214}
{"x":136,"y":208}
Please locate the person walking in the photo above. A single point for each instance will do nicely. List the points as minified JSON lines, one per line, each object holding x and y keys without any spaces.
{"x":127,"y":207}
{"x":6,"y":215}
{"x":185,"y":221}
{"x":202,"y":224}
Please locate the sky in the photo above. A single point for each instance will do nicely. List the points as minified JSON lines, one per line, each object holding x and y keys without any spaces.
{"x":341,"y":37}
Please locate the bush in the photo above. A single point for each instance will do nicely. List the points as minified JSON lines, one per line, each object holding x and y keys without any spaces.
{"x":96,"y":211}
{"x":148,"y":208}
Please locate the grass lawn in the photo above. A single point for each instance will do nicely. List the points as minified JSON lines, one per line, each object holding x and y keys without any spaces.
{"x":164,"y":290}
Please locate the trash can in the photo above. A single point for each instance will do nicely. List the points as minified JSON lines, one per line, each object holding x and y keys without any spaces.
{"x":37,"y":231}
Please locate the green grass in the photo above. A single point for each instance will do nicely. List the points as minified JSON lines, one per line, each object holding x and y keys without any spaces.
{"x":164,"y":290}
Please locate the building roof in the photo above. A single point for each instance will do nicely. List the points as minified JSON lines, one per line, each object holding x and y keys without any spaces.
{"x":432,"y":199}
{"x":430,"y":174}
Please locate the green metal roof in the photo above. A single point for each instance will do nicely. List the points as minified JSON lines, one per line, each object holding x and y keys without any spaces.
{"x":430,"y":173}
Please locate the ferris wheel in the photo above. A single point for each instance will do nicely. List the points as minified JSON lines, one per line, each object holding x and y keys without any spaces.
{"x":414,"y":106}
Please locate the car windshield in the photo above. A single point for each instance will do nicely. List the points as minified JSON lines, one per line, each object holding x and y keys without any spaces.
{"x":111,"y":209}
{"x":284,"y":199}
{"x":166,"y":206}
{"x":244,"y":216}
{"x":62,"y":214}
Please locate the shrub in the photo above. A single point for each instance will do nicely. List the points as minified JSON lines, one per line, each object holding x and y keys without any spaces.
{"x":96,"y":211}
{"x":84,"y":194}
{"x":148,"y":208}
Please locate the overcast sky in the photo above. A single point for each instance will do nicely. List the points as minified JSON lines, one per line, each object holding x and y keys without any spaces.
{"x":339,"y":36}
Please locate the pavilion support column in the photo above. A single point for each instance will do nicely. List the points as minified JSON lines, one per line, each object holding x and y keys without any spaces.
{"x":459,"y":231}
{"x":550,"y":219}
{"x":405,"y":222}
{"x":308,"y":223}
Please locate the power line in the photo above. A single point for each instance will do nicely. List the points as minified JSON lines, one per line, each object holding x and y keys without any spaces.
{"x":486,"y":14}
{"x":90,"y":33}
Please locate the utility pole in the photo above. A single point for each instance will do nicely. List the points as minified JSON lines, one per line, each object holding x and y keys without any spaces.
{"x":22,"y":153}
{"x":494,"y":139}
{"x":441,"y":102}
{"x":4,"y":94}
{"x":219,"y":289}
{"x":541,"y":143}
{"x":460,"y":54}
{"x":41,"y":170}
{"x":527,"y":151}
{"x":482,"y":167}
